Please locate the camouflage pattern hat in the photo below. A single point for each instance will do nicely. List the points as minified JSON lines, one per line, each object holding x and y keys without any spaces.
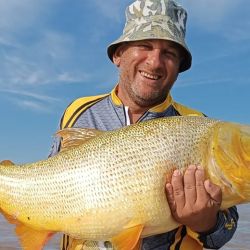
{"x":155,"y":19}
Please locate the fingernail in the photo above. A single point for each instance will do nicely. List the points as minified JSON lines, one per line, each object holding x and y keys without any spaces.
{"x":191,"y":167}
{"x":177,"y":172}
{"x":208,"y":183}
{"x":168,"y":187}
{"x":199,"y":167}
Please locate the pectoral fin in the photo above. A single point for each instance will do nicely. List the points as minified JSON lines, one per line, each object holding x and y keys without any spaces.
{"x":128,"y":239}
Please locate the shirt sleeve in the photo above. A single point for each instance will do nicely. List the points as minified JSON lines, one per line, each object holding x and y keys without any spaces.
{"x":55,"y":148}
{"x":223,"y":231}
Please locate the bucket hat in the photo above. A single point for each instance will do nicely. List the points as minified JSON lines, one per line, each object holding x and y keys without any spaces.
{"x":155,"y":19}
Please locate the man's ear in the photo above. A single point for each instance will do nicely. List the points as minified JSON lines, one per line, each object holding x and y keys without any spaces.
{"x":117,"y":55}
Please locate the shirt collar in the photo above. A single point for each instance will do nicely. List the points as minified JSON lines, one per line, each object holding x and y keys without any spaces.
{"x":116,"y":100}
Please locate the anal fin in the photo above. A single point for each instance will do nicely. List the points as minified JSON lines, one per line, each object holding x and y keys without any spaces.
{"x":128,"y":239}
{"x":31,"y":239}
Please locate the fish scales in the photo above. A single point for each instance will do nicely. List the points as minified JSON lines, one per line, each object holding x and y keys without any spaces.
{"x":111,"y":182}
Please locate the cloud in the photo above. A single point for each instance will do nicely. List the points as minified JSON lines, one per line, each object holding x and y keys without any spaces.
{"x":44,"y":98}
{"x":112,"y":9}
{"x":17,"y":18}
{"x":190,"y":83}
{"x":212,"y":12}
{"x":47,"y":60}
{"x":239,"y":33}
{"x":30,"y":100}
{"x":32,"y":105}
{"x":32,"y":52}
{"x":243,"y":80}
{"x":19,"y":73}
{"x":229,"y":18}
{"x":17,"y":15}
{"x":6,"y":41}
{"x":36,"y":53}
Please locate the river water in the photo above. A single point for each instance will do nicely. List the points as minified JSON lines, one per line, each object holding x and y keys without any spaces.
{"x":240,"y":241}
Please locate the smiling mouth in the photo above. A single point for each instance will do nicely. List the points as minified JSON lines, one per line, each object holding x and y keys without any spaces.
{"x":150,"y":76}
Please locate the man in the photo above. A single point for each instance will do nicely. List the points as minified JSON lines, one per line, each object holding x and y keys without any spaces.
{"x":149,"y":55}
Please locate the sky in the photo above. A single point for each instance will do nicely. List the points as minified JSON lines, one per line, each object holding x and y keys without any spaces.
{"x":54,"y":51}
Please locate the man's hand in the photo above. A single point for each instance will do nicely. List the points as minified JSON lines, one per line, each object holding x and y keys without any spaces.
{"x":194,"y":201}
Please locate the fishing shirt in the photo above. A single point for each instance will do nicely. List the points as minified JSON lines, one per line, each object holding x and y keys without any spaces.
{"x":107,"y":112}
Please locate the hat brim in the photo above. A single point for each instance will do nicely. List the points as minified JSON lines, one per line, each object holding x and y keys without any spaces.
{"x":185,"y":65}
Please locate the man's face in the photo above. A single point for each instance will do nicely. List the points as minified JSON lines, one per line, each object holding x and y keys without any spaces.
{"x":148,"y":70}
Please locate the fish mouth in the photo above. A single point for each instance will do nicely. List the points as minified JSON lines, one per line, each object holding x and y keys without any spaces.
{"x":150,"y":76}
{"x":245,"y":144}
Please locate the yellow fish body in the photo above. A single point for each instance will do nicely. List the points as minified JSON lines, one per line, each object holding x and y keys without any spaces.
{"x":110,"y":185}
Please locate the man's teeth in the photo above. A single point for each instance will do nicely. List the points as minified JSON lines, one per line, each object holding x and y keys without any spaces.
{"x":154,"y":77}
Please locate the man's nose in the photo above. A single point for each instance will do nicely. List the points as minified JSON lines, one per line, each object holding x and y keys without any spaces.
{"x":154,"y":58}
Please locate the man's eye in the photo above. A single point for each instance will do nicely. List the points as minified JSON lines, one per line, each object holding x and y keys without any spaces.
{"x":144,"y":46}
{"x":170,"y":53}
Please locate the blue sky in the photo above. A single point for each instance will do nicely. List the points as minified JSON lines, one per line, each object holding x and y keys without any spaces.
{"x":53,"y":51}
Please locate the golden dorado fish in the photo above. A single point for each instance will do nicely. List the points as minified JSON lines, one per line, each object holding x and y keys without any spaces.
{"x":111,"y":185}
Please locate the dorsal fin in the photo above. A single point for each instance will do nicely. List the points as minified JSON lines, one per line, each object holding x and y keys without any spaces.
{"x":7,"y":163}
{"x":72,"y":137}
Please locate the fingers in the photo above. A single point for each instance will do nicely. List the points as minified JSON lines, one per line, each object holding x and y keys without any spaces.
{"x":192,"y":188}
{"x":202,"y":196}
{"x":170,"y":198}
{"x":187,"y":190}
{"x":214,"y":191}
{"x":190,"y":185}
{"x":178,"y":189}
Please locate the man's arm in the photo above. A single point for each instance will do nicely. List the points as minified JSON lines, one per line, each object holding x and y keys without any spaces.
{"x":223,"y":231}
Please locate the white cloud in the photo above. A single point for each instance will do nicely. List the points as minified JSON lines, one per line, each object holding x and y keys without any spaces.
{"x":47,"y":60}
{"x":32,"y":105}
{"x":112,"y":9}
{"x":55,"y":44}
{"x":68,"y":77}
{"x":190,"y":83}
{"x":42,"y":60}
{"x":209,"y":12}
{"x":240,"y":33}
{"x":211,"y":81}
{"x":7,"y":41}
{"x":40,"y":97}
{"x":30,"y":100}
{"x":16,"y":14}
{"x":33,"y":53}
{"x":223,"y":16}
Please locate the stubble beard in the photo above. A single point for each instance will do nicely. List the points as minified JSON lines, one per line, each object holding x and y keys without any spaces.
{"x":147,"y":100}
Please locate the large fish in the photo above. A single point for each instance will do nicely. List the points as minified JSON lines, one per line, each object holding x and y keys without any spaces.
{"x":110,"y":185}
